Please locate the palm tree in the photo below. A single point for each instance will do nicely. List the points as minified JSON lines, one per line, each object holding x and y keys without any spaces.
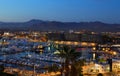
{"x":77,"y":68}
{"x":70,"y":56}
{"x":53,"y":68}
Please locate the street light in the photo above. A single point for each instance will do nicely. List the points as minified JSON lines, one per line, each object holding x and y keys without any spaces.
{"x":69,"y":69}
{"x":94,"y":56}
{"x":94,"y":48}
{"x":4,"y":57}
{"x":114,"y":53}
{"x":34,"y":70}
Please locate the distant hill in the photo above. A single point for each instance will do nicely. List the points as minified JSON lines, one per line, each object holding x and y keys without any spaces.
{"x":40,"y":25}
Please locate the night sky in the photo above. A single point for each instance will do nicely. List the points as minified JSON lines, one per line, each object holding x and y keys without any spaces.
{"x":60,"y":10}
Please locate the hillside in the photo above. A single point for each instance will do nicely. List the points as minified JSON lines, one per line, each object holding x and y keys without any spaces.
{"x":40,"y":25}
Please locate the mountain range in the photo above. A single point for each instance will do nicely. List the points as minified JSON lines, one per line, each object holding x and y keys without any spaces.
{"x":40,"y":25}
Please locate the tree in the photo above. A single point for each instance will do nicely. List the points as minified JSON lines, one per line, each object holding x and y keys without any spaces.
{"x":53,"y":68}
{"x":70,"y":56}
{"x":78,"y":65}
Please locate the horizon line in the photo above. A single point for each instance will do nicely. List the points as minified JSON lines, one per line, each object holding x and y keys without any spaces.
{"x":56,"y":21}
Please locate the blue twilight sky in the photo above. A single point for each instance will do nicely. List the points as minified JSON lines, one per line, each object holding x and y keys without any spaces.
{"x":60,"y":10}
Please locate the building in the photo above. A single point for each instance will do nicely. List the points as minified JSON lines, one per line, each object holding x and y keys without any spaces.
{"x":72,"y":37}
{"x":55,"y":36}
{"x":95,"y":38}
